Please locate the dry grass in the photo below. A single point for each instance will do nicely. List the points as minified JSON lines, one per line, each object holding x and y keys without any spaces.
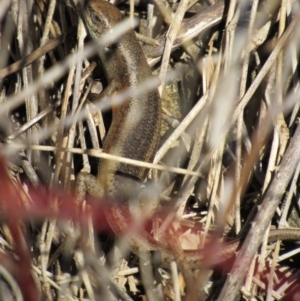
{"x":229,"y":153}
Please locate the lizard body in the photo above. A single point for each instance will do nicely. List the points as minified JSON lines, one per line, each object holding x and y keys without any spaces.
{"x":134,"y":132}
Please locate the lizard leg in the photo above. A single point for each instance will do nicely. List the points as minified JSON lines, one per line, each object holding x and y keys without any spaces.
{"x":87,"y":183}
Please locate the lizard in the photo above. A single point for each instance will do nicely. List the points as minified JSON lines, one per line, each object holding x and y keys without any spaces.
{"x":135,"y":129}
{"x":134,"y":134}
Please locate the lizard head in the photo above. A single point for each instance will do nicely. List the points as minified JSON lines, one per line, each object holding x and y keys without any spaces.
{"x":100,"y":16}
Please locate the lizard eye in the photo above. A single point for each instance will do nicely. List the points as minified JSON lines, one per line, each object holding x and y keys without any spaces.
{"x":95,"y":18}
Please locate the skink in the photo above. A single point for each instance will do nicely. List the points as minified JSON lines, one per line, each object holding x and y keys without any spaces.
{"x":134,"y":133}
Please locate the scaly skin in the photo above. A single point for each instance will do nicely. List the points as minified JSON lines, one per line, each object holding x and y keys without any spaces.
{"x":137,"y":121}
{"x":134,"y":132}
